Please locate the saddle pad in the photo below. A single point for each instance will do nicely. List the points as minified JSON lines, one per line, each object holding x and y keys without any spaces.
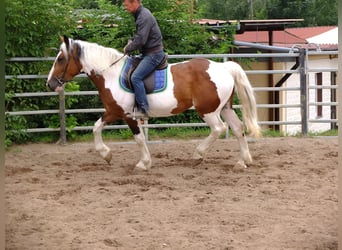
{"x":155,"y":82}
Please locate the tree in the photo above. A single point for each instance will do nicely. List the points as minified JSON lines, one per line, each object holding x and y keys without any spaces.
{"x":323,"y":13}
{"x":222,"y":9}
{"x":314,"y":12}
{"x":113,"y":26}
{"x":28,"y":26}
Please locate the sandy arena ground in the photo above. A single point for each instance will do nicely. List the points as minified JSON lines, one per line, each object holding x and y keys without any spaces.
{"x":67,"y":197}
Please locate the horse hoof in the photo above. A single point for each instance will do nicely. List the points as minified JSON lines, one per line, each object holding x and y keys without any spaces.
{"x":240,"y":166}
{"x":196,"y":156}
{"x":143,"y":166}
{"x":108,"y":157}
{"x":196,"y":162}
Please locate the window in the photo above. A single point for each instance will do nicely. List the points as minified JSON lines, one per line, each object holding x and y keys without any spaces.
{"x":319,"y":94}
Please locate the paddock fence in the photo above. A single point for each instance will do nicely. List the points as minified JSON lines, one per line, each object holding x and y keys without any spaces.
{"x":301,"y":56}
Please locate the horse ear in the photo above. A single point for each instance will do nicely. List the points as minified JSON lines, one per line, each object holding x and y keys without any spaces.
{"x":65,"y":39}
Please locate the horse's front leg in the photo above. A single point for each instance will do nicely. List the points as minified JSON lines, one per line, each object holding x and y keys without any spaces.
{"x":145,"y":161}
{"x":100,"y":147}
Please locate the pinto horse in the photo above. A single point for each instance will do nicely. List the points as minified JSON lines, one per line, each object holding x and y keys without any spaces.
{"x":206,"y":85}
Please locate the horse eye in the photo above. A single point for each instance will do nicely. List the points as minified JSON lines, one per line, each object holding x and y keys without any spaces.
{"x":60,"y":59}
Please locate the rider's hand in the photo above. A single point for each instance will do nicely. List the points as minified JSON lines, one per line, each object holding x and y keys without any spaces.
{"x":129,"y":41}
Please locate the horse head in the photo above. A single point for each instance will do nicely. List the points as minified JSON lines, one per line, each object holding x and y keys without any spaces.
{"x":66,"y":65}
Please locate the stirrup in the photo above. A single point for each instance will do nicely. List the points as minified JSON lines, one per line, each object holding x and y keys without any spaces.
{"x":136,"y":114}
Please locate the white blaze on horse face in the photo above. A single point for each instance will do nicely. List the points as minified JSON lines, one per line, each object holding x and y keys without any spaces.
{"x":53,"y":67}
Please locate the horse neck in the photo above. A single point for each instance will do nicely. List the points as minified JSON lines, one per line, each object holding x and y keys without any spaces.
{"x":97,"y":58}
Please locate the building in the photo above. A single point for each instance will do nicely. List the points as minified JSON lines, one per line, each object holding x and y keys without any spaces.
{"x":321,"y":40}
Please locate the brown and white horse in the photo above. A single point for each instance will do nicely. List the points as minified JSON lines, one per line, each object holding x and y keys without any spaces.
{"x":206,"y":85}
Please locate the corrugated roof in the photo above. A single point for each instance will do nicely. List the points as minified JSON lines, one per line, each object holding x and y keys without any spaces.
{"x":307,"y":32}
{"x":257,"y":31}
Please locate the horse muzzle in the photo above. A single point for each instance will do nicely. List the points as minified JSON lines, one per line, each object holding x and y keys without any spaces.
{"x":55,"y":84}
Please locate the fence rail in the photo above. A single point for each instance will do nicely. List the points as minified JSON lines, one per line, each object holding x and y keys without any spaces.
{"x":302,"y":71}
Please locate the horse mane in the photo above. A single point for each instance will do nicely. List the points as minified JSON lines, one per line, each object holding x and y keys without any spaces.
{"x":96,"y":57}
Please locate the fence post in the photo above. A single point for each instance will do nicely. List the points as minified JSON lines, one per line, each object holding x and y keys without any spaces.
{"x":62,"y":125}
{"x":303,"y":90}
{"x":145,"y":122}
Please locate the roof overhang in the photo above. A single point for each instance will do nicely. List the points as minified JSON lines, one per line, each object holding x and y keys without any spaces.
{"x":264,"y":25}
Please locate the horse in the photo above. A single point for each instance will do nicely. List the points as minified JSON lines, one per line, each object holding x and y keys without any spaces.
{"x":202,"y":84}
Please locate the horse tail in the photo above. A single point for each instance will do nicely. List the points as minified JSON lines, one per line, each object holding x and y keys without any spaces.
{"x":245,"y":93}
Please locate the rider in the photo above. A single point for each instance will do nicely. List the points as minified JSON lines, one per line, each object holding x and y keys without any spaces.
{"x":148,"y":40}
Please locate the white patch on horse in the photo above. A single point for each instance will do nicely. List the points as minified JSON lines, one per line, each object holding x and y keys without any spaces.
{"x":97,"y":58}
{"x":220,"y":75}
{"x":162,"y":103}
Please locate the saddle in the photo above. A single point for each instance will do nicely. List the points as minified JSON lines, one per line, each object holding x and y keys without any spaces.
{"x":154,"y":81}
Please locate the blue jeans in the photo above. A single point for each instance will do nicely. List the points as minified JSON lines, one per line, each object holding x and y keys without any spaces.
{"x":146,"y":66}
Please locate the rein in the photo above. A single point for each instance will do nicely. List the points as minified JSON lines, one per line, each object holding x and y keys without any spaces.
{"x":113,"y":63}
{"x":117,"y":60}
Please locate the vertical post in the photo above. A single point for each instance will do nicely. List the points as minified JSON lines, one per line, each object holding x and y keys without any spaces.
{"x":62,"y":125}
{"x":2,"y":131}
{"x":333,"y":114}
{"x":303,"y":90}
{"x":273,"y":113}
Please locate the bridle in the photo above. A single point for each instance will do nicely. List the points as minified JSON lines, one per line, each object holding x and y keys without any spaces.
{"x":61,"y":81}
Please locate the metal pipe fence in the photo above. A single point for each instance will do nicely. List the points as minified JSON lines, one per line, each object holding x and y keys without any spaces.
{"x":302,"y":71}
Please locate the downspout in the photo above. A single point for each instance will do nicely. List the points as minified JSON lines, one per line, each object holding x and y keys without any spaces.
{"x":273,"y":113}
{"x":279,"y":84}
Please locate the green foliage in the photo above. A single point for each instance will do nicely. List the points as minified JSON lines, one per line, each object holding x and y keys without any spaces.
{"x":111,"y":25}
{"x":28,"y":26}
{"x":332,"y":132}
{"x":223,"y":9}
{"x":272,"y":133}
{"x":70,"y":121}
{"x":15,"y":130}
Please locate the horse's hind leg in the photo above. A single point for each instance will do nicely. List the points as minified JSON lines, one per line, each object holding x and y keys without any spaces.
{"x":100,"y":147}
{"x":236,"y":125}
{"x":217,"y":127}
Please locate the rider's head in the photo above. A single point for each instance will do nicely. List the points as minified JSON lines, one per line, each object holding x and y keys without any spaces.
{"x":131,"y":5}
